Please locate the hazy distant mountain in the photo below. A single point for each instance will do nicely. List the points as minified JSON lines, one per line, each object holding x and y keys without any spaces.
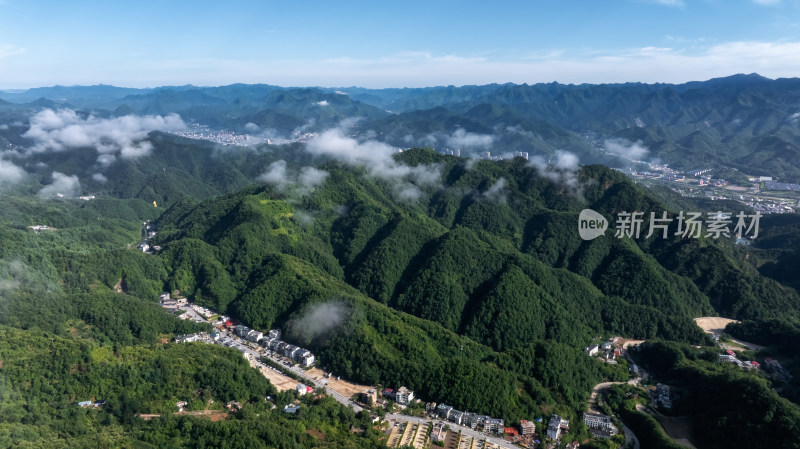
{"x":746,"y":122}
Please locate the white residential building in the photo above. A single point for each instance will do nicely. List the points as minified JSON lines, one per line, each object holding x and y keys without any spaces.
{"x":255,"y":336}
{"x":594,"y":421}
{"x":555,"y":426}
{"x":494,"y":425}
{"x":306,"y":358}
{"x":404,"y":396}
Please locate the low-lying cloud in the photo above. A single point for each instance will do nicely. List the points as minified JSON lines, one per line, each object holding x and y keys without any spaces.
{"x":377,"y":158}
{"x":517,"y":129}
{"x":463,"y":139}
{"x":275,"y":175}
{"x":10,"y":173}
{"x":59,"y":130}
{"x":62,"y":185}
{"x":99,"y":177}
{"x":279,"y":175}
{"x":563,"y":170}
{"x":497,"y":192}
{"x":311,"y":177}
{"x":634,"y":151}
{"x":320,"y":320}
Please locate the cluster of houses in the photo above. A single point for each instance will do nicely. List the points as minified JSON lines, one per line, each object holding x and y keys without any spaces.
{"x":468,"y":419}
{"x":730,"y":357}
{"x":272,"y":341}
{"x":607,"y":351}
{"x":148,"y":232}
{"x":172,"y":305}
{"x":600,"y":426}
{"x":189,"y":338}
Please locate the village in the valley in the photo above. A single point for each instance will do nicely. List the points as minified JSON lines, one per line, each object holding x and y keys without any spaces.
{"x":409,"y":421}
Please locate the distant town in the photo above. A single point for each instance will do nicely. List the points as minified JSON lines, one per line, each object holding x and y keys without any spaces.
{"x":197,"y":131}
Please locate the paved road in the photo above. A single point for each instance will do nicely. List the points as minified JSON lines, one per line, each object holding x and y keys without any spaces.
{"x":629,"y":435}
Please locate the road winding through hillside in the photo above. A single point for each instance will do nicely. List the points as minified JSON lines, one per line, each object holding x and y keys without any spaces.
{"x":629,"y":435}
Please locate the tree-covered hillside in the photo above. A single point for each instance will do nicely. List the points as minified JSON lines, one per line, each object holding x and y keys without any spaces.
{"x":464,"y":280}
{"x":486,"y":267}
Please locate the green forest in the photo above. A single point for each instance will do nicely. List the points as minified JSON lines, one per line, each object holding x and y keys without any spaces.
{"x":478,"y":293}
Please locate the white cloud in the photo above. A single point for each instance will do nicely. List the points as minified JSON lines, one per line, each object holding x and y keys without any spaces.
{"x":99,"y":177}
{"x":377,"y":158}
{"x":10,"y":173}
{"x":123,"y":136}
{"x":687,"y":62}
{"x":319,"y":320}
{"x":497,"y":191}
{"x":311,"y":177}
{"x":521,"y":131}
{"x":690,"y":62}
{"x":106,"y":159}
{"x":673,"y":3}
{"x":634,"y":151}
{"x":463,"y":139}
{"x":68,"y":186}
{"x":276,"y":175}
{"x":322,"y":103}
{"x":562,"y":171}
{"x":10,"y":50}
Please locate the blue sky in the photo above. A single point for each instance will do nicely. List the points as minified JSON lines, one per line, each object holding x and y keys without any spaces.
{"x":392,"y":43}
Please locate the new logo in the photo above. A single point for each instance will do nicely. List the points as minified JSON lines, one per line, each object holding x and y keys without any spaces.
{"x":591,"y":224}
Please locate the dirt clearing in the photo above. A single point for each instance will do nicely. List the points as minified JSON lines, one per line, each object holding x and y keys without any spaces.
{"x":715,"y":325}
{"x":346,"y":389}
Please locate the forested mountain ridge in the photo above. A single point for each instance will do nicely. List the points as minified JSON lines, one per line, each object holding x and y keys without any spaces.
{"x":464,"y":280}
{"x":744,"y":122}
{"x":494,"y":275}
{"x":355,"y":229}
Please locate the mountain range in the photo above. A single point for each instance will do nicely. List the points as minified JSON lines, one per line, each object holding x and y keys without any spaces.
{"x":743,"y":122}
{"x":463,"y":279}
